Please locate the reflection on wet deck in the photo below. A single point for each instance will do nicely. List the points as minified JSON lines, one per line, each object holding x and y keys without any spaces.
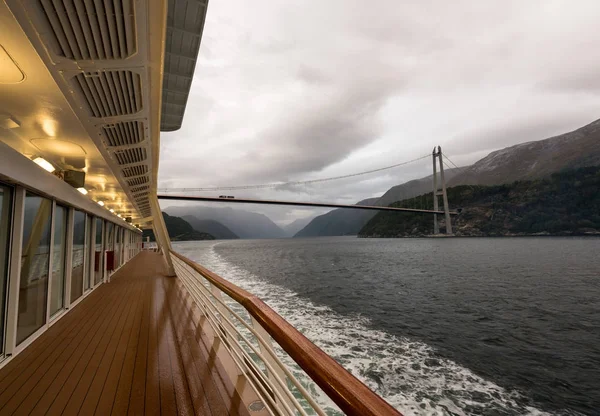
{"x":129,"y":347}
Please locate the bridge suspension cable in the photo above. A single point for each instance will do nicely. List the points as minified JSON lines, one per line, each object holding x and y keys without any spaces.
{"x":454,"y":164}
{"x":290,"y":183}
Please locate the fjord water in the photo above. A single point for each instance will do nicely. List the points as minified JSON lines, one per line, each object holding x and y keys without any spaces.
{"x":503,"y":326}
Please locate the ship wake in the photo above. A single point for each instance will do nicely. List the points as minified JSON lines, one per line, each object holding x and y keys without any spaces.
{"x":409,"y":374}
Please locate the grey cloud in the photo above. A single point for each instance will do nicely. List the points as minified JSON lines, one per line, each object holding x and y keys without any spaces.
{"x":298,"y":90}
{"x":586,"y":82}
{"x":312,"y":75}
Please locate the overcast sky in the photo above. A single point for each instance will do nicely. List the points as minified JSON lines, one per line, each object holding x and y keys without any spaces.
{"x":294,"y":90}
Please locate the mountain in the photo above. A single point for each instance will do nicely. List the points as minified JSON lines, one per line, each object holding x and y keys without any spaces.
{"x":214,"y":228}
{"x":244,"y":224}
{"x":535,"y":160}
{"x":413,"y":188}
{"x":526,"y":161}
{"x":179,"y":230}
{"x":295,"y":226}
{"x":565,"y":203}
{"x":340,"y":221}
{"x":349,"y":221}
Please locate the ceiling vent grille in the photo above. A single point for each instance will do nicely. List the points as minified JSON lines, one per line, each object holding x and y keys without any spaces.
{"x":129,"y":156}
{"x":135,"y":171}
{"x":91,"y":29}
{"x":140,"y":189}
{"x":124,"y":134}
{"x":110,"y":93}
{"x":137,"y":181}
{"x":144,"y":205}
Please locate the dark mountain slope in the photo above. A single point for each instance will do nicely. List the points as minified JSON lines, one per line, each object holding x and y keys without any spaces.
{"x":413,"y":188}
{"x":179,"y":230}
{"x":214,"y":228}
{"x":349,"y":221}
{"x":566,"y":203}
{"x":338,"y":222}
{"x":292,"y":228}
{"x":244,"y":224}
{"x":534,"y":160}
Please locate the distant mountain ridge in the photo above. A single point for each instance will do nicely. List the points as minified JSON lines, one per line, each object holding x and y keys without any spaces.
{"x":215,"y":228}
{"x":244,"y":224}
{"x":413,"y":188}
{"x":349,"y":222}
{"x":179,"y":230}
{"x":534,"y":160}
{"x":295,"y":226}
{"x":338,"y":222}
{"x":525,"y":161}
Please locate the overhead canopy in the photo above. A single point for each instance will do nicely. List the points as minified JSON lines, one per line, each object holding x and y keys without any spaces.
{"x":185,"y":22}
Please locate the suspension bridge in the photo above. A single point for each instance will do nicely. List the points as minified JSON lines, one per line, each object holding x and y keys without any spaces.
{"x":166,"y":193}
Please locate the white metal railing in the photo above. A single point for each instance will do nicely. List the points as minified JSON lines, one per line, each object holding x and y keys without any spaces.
{"x":260,"y":343}
{"x":249,"y":345}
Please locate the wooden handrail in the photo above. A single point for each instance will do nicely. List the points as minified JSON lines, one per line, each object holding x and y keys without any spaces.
{"x":348,"y":392}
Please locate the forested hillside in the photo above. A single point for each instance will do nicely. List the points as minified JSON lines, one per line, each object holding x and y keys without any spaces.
{"x":565,"y":203}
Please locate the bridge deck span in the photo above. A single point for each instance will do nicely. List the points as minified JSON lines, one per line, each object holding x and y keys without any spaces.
{"x":295,"y":203}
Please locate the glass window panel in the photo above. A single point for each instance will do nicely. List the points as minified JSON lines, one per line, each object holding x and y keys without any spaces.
{"x":5,"y":229}
{"x":59,"y":251}
{"x":78,"y":259}
{"x":110,"y":236}
{"x":118,"y":245}
{"x":87,"y":278}
{"x":99,"y":255}
{"x":33,"y":288}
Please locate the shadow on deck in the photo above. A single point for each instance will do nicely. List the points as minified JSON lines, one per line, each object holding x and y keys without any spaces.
{"x":130,"y":347}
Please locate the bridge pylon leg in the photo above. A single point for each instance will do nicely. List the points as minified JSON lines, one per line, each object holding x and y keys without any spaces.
{"x":438,"y":155}
{"x":436,"y":227}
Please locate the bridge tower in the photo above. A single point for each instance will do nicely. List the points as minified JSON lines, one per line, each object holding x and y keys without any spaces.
{"x":437,"y":156}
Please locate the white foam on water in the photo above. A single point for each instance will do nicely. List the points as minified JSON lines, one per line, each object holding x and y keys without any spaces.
{"x":407,"y":374}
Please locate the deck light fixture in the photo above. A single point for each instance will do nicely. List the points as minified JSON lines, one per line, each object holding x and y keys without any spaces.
{"x":44,"y":164}
{"x":82,"y":190}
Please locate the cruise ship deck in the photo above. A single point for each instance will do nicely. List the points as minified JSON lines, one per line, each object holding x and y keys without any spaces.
{"x":90,"y":323}
{"x":130,"y":347}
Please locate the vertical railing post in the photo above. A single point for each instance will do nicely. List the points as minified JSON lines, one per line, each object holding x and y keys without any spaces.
{"x":216,"y":292}
{"x":268,"y":357}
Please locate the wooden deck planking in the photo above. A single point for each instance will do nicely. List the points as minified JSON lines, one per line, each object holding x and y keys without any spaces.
{"x":180,"y":382}
{"x":199,"y":391}
{"x":196,"y":360}
{"x":138,"y":382}
{"x":131,"y":346}
{"x":42,"y":347}
{"x":42,"y":364}
{"x":152,"y":399}
{"x":59,"y":389}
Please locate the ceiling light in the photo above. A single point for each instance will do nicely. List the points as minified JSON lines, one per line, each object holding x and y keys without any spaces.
{"x":44,"y":164}
{"x":111,"y":210}
{"x":101,"y":203}
{"x":82,"y":190}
